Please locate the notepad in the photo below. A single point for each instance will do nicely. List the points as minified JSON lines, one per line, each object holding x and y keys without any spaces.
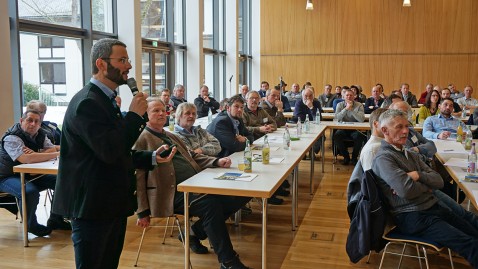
{"x":236,"y":176}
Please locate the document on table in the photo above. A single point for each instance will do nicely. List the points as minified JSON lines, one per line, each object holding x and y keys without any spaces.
{"x":236,"y":176}
{"x":259,"y":147}
{"x":449,"y":146}
{"x":458,"y":162}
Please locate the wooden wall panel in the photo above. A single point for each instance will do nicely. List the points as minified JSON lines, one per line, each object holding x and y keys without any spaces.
{"x":345,"y":42}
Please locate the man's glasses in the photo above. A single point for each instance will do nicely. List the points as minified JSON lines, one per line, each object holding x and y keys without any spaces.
{"x":122,"y":60}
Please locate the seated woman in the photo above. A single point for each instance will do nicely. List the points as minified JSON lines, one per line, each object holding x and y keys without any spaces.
{"x":158,"y":197}
{"x":430,"y":108}
{"x":359,"y":96}
{"x":196,"y":138}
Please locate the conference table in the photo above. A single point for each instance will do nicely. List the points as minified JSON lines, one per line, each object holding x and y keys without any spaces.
{"x":454,"y":158}
{"x":45,"y":168}
{"x":268,"y":178}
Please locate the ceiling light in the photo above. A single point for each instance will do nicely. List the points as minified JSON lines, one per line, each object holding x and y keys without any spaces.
{"x":309,"y":5}
{"x":406,"y":3}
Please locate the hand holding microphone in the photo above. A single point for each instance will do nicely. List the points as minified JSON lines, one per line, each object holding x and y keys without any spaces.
{"x":138,"y":104}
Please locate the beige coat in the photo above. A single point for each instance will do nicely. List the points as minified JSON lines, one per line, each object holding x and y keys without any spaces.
{"x":155,"y":189}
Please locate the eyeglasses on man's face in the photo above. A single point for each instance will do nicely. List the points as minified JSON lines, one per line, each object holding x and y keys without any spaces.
{"x":123,"y":60}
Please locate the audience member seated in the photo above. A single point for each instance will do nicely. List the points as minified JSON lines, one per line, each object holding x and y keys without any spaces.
{"x":195,"y":138}
{"x":391,"y":99}
{"x":257,"y":120}
{"x":349,"y":111}
{"x":358,"y":96}
{"x":294,"y":94}
{"x":382,"y":90}
{"x":327,"y":98}
{"x":274,"y":106}
{"x":446,"y":93}
{"x":416,"y":142}
{"x":26,"y":142}
{"x":244,"y":91}
{"x":454,"y":93}
{"x":307,"y":106}
{"x":374,"y":102}
{"x":263,"y":89}
{"x":165,"y":96}
{"x":338,"y":93}
{"x":407,"y":96}
{"x":443,"y":125}
{"x":410,"y":196}
{"x":223,"y":104}
{"x":204,"y":103}
{"x":165,"y":200}
{"x":50,"y":128}
{"x":467,"y":102}
{"x":430,"y":107}
{"x":228,"y":127}
{"x":178,"y":95}
{"x":341,"y":99}
{"x":423,"y":96}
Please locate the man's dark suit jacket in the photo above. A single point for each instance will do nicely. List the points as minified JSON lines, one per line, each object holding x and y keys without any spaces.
{"x":223,"y":129}
{"x":96,"y":168}
{"x":371,"y":102}
{"x":301,"y":110}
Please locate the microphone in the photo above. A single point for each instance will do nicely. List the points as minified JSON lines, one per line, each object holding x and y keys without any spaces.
{"x":230,"y":78}
{"x":132,"y":86}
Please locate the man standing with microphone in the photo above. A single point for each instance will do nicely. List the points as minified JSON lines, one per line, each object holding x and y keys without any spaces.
{"x":96,"y":184}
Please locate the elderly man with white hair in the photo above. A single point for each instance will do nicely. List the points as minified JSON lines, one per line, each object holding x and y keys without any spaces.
{"x":307,"y":106}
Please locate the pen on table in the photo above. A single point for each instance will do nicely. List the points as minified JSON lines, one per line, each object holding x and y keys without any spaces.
{"x":448,"y":150}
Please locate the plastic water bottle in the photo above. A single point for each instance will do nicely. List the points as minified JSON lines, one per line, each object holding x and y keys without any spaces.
{"x":266,"y":151}
{"x":463,"y":112}
{"x":209,"y":116}
{"x":306,"y":124}
{"x":286,"y":139}
{"x":472,"y":161}
{"x":317,"y":117}
{"x":248,"y":158}
{"x":171,"y":123}
{"x":299,"y":128}
{"x":468,"y":139}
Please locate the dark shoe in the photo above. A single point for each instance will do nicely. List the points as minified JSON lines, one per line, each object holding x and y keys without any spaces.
{"x":275,"y":201}
{"x":346,"y":161}
{"x":285,"y":184}
{"x":58,"y":224}
{"x":282,"y":192}
{"x":245,"y":211}
{"x":40,"y":230}
{"x":234,"y":264}
{"x":195,"y":245}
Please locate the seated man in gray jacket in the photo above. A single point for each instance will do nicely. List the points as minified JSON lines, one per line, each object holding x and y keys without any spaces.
{"x":407,"y":184}
{"x":196,"y":138}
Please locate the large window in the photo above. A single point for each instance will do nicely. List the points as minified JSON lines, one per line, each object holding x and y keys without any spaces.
{"x":153,"y":19}
{"x":102,"y":15}
{"x":64,"y":12}
{"x":244,"y":40}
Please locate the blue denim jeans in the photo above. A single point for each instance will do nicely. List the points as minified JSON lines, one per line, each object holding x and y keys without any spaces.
{"x":213,"y":211}
{"x":441,"y":225}
{"x":446,"y":201}
{"x":12,"y":185}
{"x":98,"y":243}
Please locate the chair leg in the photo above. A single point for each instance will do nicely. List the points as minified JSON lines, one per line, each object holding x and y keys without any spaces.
{"x":451,"y":259}
{"x":426,"y":257}
{"x":419,"y":256}
{"x":368,"y":258}
{"x":166,"y":230}
{"x":139,"y":248}
{"x":48,"y":196}
{"x":383,"y":254}
{"x":401,"y":256}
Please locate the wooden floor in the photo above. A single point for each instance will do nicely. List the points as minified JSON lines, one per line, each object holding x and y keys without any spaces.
{"x":318,"y":243}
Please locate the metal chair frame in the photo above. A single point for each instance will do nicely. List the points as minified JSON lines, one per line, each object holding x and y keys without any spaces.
{"x":176,"y":223}
{"x":6,"y":194}
{"x":405,"y":240}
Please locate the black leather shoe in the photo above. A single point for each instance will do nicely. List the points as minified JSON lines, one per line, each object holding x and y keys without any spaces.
{"x":234,"y":264}
{"x":346,"y":161}
{"x":40,"y":230}
{"x":275,"y":201}
{"x":58,"y":224}
{"x":245,"y":211}
{"x":195,"y":245}
{"x":282,"y":192}
{"x":285,"y":184}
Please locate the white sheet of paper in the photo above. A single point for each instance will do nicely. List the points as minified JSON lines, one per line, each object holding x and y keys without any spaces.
{"x":449,"y":146}
{"x":458,"y":162}
{"x":276,"y":160}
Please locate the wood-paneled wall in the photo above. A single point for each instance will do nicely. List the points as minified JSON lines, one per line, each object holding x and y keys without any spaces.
{"x":344,"y":42}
